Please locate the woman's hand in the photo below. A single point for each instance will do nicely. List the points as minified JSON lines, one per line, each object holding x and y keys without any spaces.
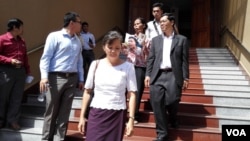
{"x":129,"y":128}
{"x":81,"y":125}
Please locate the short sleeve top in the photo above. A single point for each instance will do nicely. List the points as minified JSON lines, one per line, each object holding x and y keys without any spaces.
{"x":110,"y":84}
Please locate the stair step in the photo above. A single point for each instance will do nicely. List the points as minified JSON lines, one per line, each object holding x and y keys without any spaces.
{"x":195,"y":80}
{"x":235,"y":88}
{"x":31,"y":121}
{"x":216,"y":99}
{"x":221,"y":72}
{"x":213,"y":49}
{"x":213,"y":54}
{"x":214,"y":58}
{"x":76,"y":136}
{"x":219,"y":64}
{"x":221,"y":52}
{"x":147,"y":131}
{"x":25,"y":134}
{"x":216,"y":61}
{"x":220,"y":87}
{"x":73,"y":135}
{"x":31,"y":108}
{"x":216,"y":92}
{"x":219,"y":81}
{"x":223,"y":77}
{"x":210,"y":61}
{"x":194,"y":98}
{"x":228,"y":93}
{"x":215,"y":109}
{"x":233,"y":68}
{"x":216,"y":72}
{"x":225,"y":82}
{"x":193,"y":66}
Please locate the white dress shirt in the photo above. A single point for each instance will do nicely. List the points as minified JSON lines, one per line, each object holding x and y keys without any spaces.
{"x":167,"y":43}
{"x":150,"y":31}
{"x":87,"y":37}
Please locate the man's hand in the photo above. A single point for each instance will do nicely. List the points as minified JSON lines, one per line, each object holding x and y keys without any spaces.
{"x":146,"y":81}
{"x":81,"y":85}
{"x":185,"y":84}
{"x":43,"y":85}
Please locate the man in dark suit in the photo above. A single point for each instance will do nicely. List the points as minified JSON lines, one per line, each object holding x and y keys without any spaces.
{"x":167,"y":73}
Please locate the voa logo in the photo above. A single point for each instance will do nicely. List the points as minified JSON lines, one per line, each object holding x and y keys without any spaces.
{"x":236,"y":132}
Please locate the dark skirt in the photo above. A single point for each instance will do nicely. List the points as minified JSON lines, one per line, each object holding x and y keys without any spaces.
{"x":106,"y":125}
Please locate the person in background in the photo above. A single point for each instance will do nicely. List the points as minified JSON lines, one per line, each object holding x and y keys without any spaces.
{"x":137,"y":50}
{"x":153,"y":28}
{"x":88,"y":46}
{"x":110,"y":77}
{"x":14,"y":68}
{"x":167,"y":73}
{"x":61,"y":67}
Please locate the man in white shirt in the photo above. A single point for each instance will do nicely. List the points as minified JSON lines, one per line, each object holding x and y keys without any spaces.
{"x":167,"y":73}
{"x":88,"y":46}
{"x":154,"y":25}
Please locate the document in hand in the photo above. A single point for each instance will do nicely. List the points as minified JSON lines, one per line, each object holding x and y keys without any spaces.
{"x":127,"y":35}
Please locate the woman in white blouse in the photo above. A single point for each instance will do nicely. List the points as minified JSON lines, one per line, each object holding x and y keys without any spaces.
{"x":110,"y":77}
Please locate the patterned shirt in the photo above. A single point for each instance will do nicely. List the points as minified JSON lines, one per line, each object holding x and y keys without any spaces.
{"x":138,"y":56}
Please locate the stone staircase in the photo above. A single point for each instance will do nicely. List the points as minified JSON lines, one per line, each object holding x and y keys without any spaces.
{"x":218,"y":94}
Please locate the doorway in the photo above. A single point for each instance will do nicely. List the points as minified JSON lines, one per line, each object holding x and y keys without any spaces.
{"x":198,"y":20}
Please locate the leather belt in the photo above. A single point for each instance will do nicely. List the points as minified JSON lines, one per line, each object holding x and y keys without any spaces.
{"x":166,"y":70}
{"x":12,"y":66}
{"x":64,"y":74}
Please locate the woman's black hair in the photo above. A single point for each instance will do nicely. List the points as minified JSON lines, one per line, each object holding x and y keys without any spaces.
{"x":110,"y":37}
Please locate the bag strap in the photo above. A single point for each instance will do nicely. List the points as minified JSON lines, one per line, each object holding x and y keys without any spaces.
{"x":156,"y":29}
{"x":96,"y":65}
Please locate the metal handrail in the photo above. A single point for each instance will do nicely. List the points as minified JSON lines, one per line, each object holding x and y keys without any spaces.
{"x":35,"y":49}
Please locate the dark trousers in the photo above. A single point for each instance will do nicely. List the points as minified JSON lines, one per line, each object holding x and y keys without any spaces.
{"x":164,"y":98}
{"x":88,"y":57}
{"x":12,"y":82}
{"x":58,"y":106}
{"x":140,"y":76}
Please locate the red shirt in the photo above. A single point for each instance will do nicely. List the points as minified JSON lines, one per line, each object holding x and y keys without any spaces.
{"x":11,"y":48}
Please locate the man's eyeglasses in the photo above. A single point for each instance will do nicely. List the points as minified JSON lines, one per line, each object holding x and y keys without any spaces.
{"x":78,"y":22}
